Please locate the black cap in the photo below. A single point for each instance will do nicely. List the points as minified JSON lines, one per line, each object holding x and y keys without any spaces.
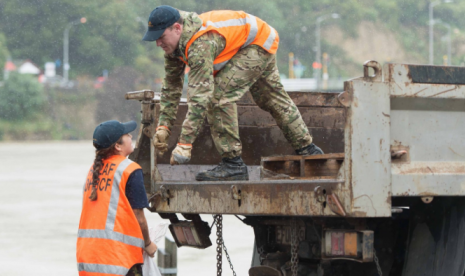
{"x":160,"y":18}
{"x":107,"y":133}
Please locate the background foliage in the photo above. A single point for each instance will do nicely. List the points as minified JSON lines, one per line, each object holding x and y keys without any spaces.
{"x":4,"y":54}
{"x":21,"y":97}
{"x":111,"y":40}
{"x":112,"y":35}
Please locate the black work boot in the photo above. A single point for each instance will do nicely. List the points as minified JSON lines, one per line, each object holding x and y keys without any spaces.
{"x":311,"y":149}
{"x":228,"y":169}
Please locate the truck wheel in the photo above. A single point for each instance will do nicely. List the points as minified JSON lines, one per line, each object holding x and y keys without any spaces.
{"x":437,"y":239}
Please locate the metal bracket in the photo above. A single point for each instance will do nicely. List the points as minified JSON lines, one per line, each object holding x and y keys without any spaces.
{"x":140,"y":95}
{"x":165,"y":194}
{"x":146,"y":97}
{"x":235,"y":193}
{"x":345,"y":99}
{"x":147,"y":131}
{"x":320,"y":194}
{"x":335,"y":205}
{"x":161,"y":195}
{"x":378,"y":76}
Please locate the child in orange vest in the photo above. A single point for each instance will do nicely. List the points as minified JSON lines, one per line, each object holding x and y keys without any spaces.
{"x":113,"y":229}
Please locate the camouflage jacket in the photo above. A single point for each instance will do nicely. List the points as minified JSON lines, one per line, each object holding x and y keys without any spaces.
{"x":202,"y":53}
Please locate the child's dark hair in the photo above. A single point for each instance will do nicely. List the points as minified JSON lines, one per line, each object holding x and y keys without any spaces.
{"x":101,"y":154}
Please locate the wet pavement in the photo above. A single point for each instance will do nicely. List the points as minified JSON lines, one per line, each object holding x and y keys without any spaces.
{"x":40,"y":204}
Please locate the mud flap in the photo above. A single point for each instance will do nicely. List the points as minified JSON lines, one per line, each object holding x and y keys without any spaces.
{"x":437,"y":243}
{"x":255,"y":256}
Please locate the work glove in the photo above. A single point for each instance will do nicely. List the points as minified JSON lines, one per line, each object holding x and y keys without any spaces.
{"x":151,"y":249}
{"x":181,"y":154}
{"x":160,"y":139}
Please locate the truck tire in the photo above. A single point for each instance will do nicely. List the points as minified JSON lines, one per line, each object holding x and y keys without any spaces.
{"x":437,"y":239}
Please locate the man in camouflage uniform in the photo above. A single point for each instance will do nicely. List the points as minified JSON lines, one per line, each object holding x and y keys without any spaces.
{"x":214,"y":96}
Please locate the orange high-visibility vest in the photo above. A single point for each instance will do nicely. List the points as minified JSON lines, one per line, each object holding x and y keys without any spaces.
{"x":109,"y":240}
{"x":240,"y":30}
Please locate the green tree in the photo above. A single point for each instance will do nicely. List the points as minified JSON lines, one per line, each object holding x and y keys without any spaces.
{"x":111,"y":37}
{"x":3,"y":53}
{"x":20,"y":97}
{"x":108,"y":39}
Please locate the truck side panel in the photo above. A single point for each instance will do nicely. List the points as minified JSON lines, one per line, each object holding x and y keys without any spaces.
{"x":428,"y":121}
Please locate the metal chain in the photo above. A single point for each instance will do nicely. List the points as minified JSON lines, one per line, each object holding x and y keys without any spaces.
{"x":219,"y":244}
{"x":295,"y":241}
{"x":377,"y":263}
{"x":229,"y":260}
{"x":218,"y":219}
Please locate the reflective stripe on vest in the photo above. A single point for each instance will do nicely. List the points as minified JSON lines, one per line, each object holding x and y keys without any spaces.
{"x":253,"y":30}
{"x":101,"y":268}
{"x":219,"y":66}
{"x":110,"y":225}
{"x":237,"y":22}
{"x":250,"y":19}
{"x":111,"y":235}
{"x":269,"y":41}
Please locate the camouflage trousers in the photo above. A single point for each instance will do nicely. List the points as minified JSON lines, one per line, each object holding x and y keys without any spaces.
{"x":252,"y":69}
{"x":135,"y":270}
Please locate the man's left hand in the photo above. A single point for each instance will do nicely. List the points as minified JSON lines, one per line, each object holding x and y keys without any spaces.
{"x":181,"y":154}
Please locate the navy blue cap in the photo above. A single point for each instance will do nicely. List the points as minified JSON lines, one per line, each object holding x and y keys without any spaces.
{"x":160,"y":18}
{"x":107,"y":133}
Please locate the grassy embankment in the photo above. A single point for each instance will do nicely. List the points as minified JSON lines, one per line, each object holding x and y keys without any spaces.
{"x":66,"y":115}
